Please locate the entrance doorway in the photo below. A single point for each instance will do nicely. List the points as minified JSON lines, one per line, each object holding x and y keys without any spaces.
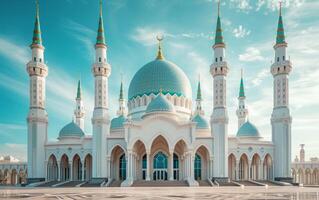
{"x":160,"y":167}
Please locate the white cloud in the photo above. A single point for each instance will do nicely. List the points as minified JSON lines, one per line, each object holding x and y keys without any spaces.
{"x":241,"y":32}
{"x":241,"y":5}
{"x":21,"y":55}
{"x":261,"y":75}
{"x":251,"y":54}
{"x":18,"y":151}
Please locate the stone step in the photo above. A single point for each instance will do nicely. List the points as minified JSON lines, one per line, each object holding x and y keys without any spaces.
{"x":49,"y":184}
{"x":141,"y":183}
{"x":71,"y":184}
{"x":115,"y":184}
{"x":204,"y":183}
{"x":247,"y":183}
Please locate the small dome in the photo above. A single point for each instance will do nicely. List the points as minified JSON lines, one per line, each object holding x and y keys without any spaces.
{"x":118,"y":122}
{"x":160,"y":74}
{"x":248,"y":130}
{"x":202,"y":123}
{"x":160,"y":104}
{"x":71,"y":130}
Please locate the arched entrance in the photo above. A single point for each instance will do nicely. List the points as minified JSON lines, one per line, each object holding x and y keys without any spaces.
{"x":255,"y":167}
{"x":232,"y":167}
{"x":267,"y":168}
{"x":65,"y":168}
{"x":243,"y":168}
{"x":52,"y":171}
{"x":201,"y":169}
{"x":308,"y":176}
{"x":139,"y":160}
{"x":118,"y":166}
{"x":160,"y":166}
{"x":179,"y":164}
{"x":161,"y":159}
{"x":14,"y":177}
{"x":77,"y":168}
{"x":88,"y":167}
{"x":300,"y":176}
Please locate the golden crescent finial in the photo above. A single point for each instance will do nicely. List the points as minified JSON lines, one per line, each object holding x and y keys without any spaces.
{"x":159,"y":53}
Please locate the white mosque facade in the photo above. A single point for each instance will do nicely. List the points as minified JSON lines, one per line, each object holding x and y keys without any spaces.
{"x":158,"y":133}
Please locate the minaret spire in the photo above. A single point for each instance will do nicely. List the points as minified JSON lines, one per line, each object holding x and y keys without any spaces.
{"x":219,"y":33}
{"x":100,"y":39}
{"x":242,"y":111}
{"x":37,"y":39}
{"x":122,"y":108}
{"x":280,"y":39}
{"x":79,"y":108}
{"x":199,"y":99}
{"x":160,"y":55}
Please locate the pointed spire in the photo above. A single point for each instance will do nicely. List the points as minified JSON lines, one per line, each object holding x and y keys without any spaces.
{"x":241,"y":89}
{"x":37,"y":40}
{"x":121,"y":89}
{"x":280,"y":39}
{"x":79,"y":91}
{"x":100,"y":39}
{"x":160,"y":55}
{"x":199,"y":91}
{"x":219,"y":33}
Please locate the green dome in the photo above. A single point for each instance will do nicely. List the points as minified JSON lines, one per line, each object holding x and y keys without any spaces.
{"x":160,"y":75}
{"x":160,"y":104}
{"x":248,"y":130}
{"x":117,"y":122}
{"x":202,"y":123}
{"x":71,"y":130}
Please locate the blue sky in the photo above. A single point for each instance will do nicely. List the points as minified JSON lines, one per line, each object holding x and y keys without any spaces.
{"x":69,"y":32}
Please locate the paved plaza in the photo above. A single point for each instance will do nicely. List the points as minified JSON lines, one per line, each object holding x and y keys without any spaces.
{"x":163,"y":193}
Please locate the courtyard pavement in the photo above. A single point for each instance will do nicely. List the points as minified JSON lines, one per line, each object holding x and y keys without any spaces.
{"x":164,"y":193}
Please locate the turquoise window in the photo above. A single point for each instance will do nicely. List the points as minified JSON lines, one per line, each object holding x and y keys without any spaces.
{"x":198,"y":167}
{"x":122,"y":168}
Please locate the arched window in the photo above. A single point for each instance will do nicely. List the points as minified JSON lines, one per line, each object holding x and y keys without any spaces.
{"x":198,"y":167}
{"x":160,"y":166}
{"x":216,"y":59}
{"x":100,"y":59}
{"x":122,"y":168}
{"x":144,"y":163}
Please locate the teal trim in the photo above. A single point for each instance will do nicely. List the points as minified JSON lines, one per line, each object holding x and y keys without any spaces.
{"x":160,"y":75}
{"x":202,"y":123}
{"x":241,"y":88}
{"x":71,"y":130}
{"x":160,"y":104}
{"x":248,"y":130}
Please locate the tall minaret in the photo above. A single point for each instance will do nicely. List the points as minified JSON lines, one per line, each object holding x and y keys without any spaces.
{"x":100,"y":120}
{"x":37,"y":118}
{"x":199,"y":110}
{"x":302,"y":153}
{"x":219,"y":117}
{"x":241,"y":111}
{"x":280,"y":118}
{"x":79,"y":109}
{"x":122,"y":108}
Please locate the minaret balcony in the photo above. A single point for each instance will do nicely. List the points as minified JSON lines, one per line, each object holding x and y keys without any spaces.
{"x":101,"y":69}
{"x":37,"y":69}
{"x":282,"y":67}
{"x":219,"y":68}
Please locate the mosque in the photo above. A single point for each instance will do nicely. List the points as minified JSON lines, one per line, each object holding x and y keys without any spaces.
{"x":159,"y":134}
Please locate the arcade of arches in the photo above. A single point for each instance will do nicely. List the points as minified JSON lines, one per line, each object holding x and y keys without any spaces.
{"x":12,"y":176}
{"x":69,"y":169}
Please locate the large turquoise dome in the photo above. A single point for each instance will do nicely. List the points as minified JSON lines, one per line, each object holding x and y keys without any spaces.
{"x":248,"y":130}
{"x":202,"y":123}
{"x":157,"y":75}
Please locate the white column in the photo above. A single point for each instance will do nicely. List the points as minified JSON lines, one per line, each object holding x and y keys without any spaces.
{"x":71,"y":171}
{"x":108,"y":167}
{"x":211,"y":167}
{"x":249,"y":170}
{"x":148,"y":166}
{"x":82,"y":169}
{"x":237,"y":169}
{"x":192,"y":157}
{"x":59,"y":170}
{"x":171,"y":165}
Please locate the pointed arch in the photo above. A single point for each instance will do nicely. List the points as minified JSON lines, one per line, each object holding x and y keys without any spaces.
{"x":268,"y":167}
{"x":256,"y":167}
{"x":52,"y":168}
{"x":159,"y":142}
{"x":88,"y":167}
{"x":139,"y":149}
{"x":64,"y":168}
{"x":76,"y":168}
{"x":232,"y":166}
{"x":201,"y":163}
{"x":118,"y":163}
{"x":243,"y":173}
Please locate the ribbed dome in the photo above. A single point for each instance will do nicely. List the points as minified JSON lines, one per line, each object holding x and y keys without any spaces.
{"x":159,"y":75}
{"x":71,"y":130}
{"x":202,"y":123}
{"x":118,"y":122}
{"x":248,"y":130}
{"x":160,"y":104}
